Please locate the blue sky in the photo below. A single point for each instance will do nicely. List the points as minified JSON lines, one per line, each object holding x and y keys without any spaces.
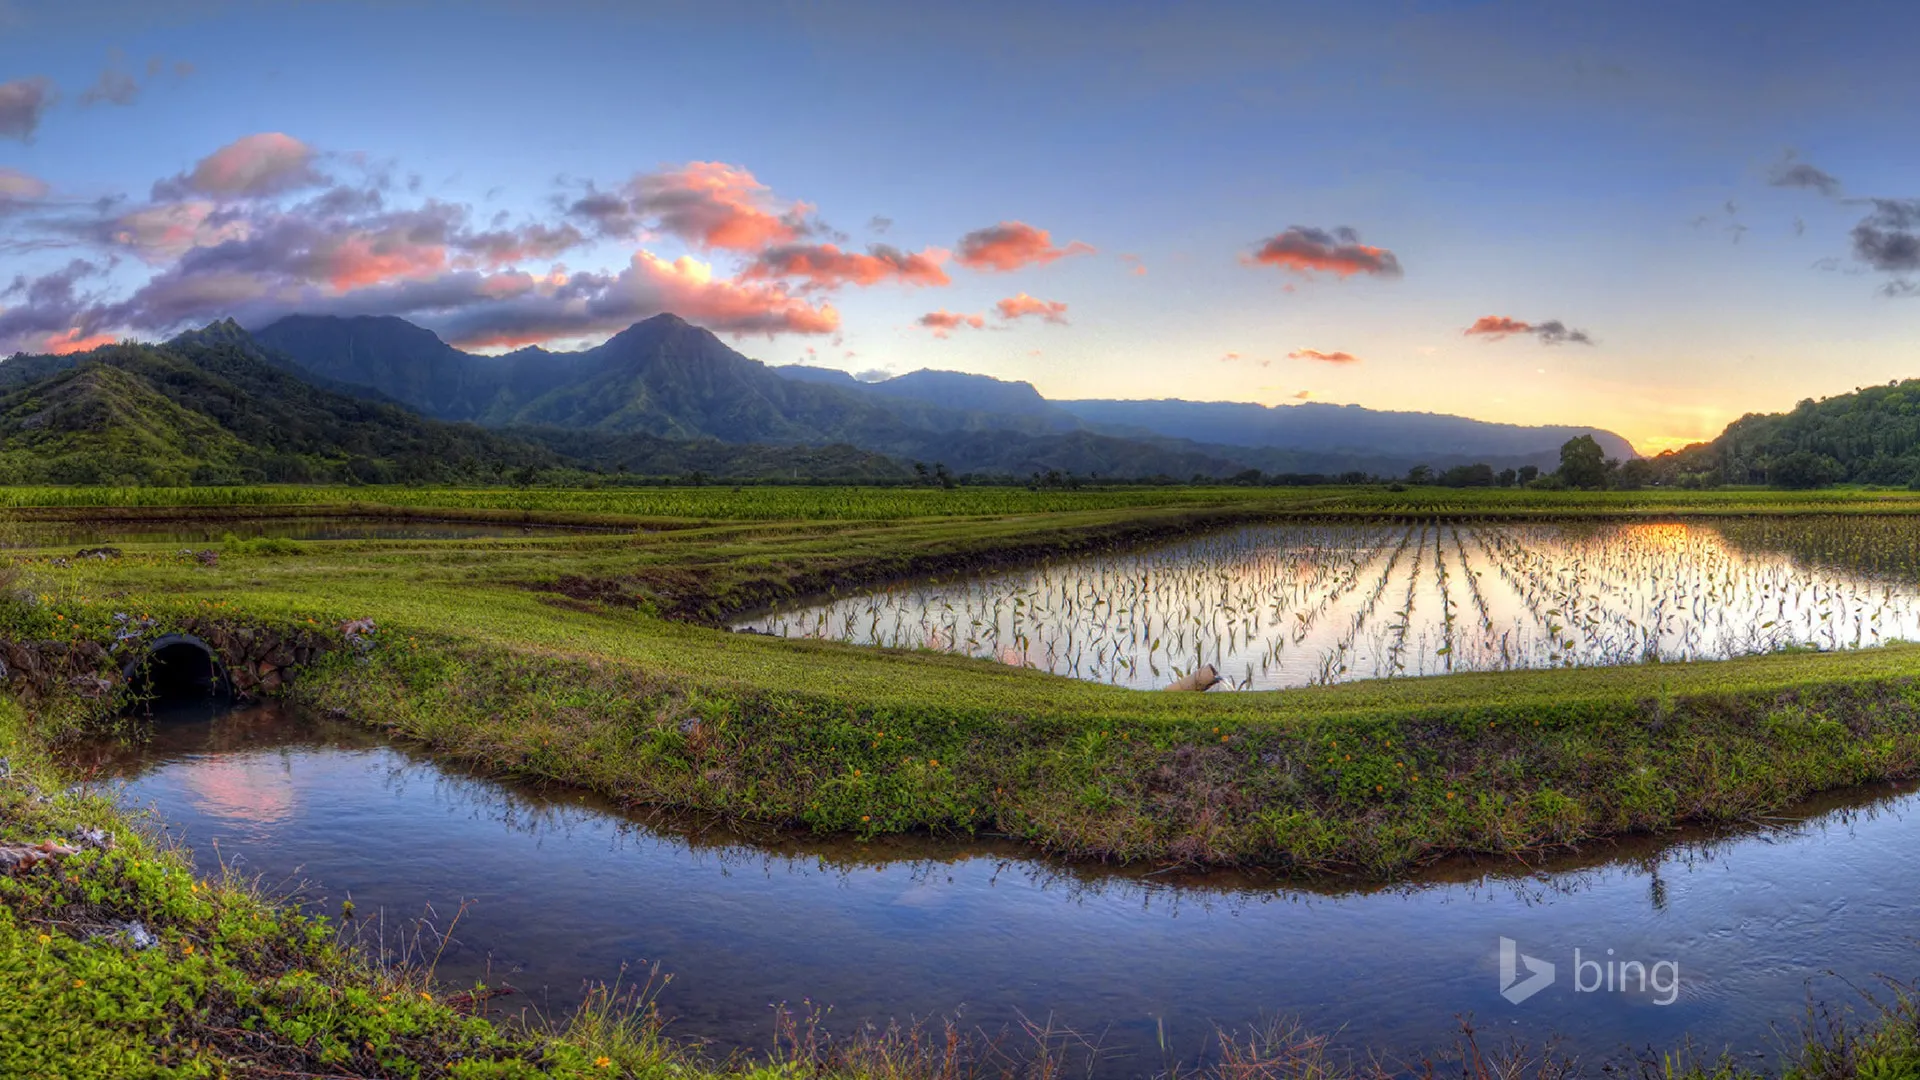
{"x":1613,"y":167}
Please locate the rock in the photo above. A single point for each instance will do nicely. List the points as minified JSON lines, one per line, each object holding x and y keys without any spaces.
{"x":93,"y":686}
{"x":134,"y":933}
{"x":97,"y":553}
{"x":1205,"y":677}
{"x":97,"y":839}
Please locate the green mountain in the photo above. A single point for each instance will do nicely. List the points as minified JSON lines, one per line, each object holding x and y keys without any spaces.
{"x":1870,"y":436}
{"x":214,"y":406}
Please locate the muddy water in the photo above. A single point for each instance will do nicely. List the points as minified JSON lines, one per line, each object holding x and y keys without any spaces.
{"x":556,"y":890}
{"x":1278,"y":606}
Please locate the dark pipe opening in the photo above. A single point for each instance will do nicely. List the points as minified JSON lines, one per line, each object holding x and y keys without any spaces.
{"x":178,"y":669}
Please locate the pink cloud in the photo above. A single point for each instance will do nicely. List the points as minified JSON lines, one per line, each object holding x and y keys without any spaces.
{"x":944,"y":322}
{"x":715,"y":205}
{"x":1550,"y":332}
{"x":1134,"y":264}
{"x":1324,"y":357}
{"x":16,"y":186}
{"x":1011,"y":245}
{"x":165,"y":231}
{"x":255,"y":166}
{"x":1496,"y":326}
{"x":1021,"y":306}
{"x":73,"y":341}
{"x":587,"y":303}
{"x":825,"y":266}
{"x":1338,"y":251}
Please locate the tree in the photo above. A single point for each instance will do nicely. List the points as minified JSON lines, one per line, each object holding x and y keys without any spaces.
{"x":1805,"y":469}
{"x":1479,"y":474}
{"x":1527,"y":474}
{"x":1420,"y":474}
{"x":1634,"y":475}
{"x":1506,"y":478}
{"x":1582,"y":463}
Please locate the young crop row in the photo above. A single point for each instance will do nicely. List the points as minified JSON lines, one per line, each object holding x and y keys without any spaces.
{"x":1291,"y":605}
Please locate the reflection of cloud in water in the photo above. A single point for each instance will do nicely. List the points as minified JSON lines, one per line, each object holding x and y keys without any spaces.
{"x":242,"y":789}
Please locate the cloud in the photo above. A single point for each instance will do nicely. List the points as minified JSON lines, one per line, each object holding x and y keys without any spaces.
{"x":113,"y":87}
{"x":879,"y":224}
{"x":256,"y":233}
{"x":1011,"y":245}
{"x":1302,"y":395}
{"x":251,"y":167}
{"x":165,"y":231}
{"x":18,"y":187}
{"x":52,"y":306}
{"x":872,"y":375}
{"x":825,"y":266}
{"x":1790,"y":172}
{"x":708,"y":204}
{"x":1134,"y":264}
{"x":1305,"y":250}
{"x":1021,"y":306}
{"x":1324,"y":357}
{"x":944,"y":322}
{"x":1888,"y":239}
{"x":73,"y":342}
{"x":1550,"y":332}
{"x":22,"y":103}
{"x":590,"y":303}
{"x":1228,"y":358}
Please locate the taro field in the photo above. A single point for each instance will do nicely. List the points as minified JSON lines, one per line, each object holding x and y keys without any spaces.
{"x":1294,"y":605}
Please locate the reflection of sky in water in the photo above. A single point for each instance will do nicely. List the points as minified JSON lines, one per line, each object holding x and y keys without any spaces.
{"x":244,"y":790}
{"x":559,"y":891}
{"x":1291,"y":605}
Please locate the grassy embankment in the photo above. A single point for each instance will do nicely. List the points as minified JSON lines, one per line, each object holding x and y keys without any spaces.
{"x":542,"y":658}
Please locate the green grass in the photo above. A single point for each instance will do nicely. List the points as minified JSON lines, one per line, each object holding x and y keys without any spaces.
{"x":796,"y":503}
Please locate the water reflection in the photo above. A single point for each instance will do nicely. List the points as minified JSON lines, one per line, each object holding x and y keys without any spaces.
{"x":1290,"y":605}
{"x":559,"y":889}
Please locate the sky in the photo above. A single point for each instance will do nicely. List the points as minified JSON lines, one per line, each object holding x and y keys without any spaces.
{"x":1647,"y":217}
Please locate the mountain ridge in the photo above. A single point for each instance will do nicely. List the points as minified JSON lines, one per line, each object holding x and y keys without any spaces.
{"x":667,"y":377}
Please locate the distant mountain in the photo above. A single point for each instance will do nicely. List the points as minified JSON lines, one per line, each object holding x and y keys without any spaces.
{"x":1338,"y":429}
{"x":948,"y":389}
{"x":670,"y":379}
{"x":409,"y":364}
{"x":1314,"y":437}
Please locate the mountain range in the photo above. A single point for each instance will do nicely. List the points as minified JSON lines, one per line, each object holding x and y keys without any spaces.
{"x":380,"y":399}
{"x":669,"y":378}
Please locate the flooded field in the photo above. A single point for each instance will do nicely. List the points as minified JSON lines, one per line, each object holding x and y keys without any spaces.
{"x":553,"y":890}
{"x":1281,"y":606}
